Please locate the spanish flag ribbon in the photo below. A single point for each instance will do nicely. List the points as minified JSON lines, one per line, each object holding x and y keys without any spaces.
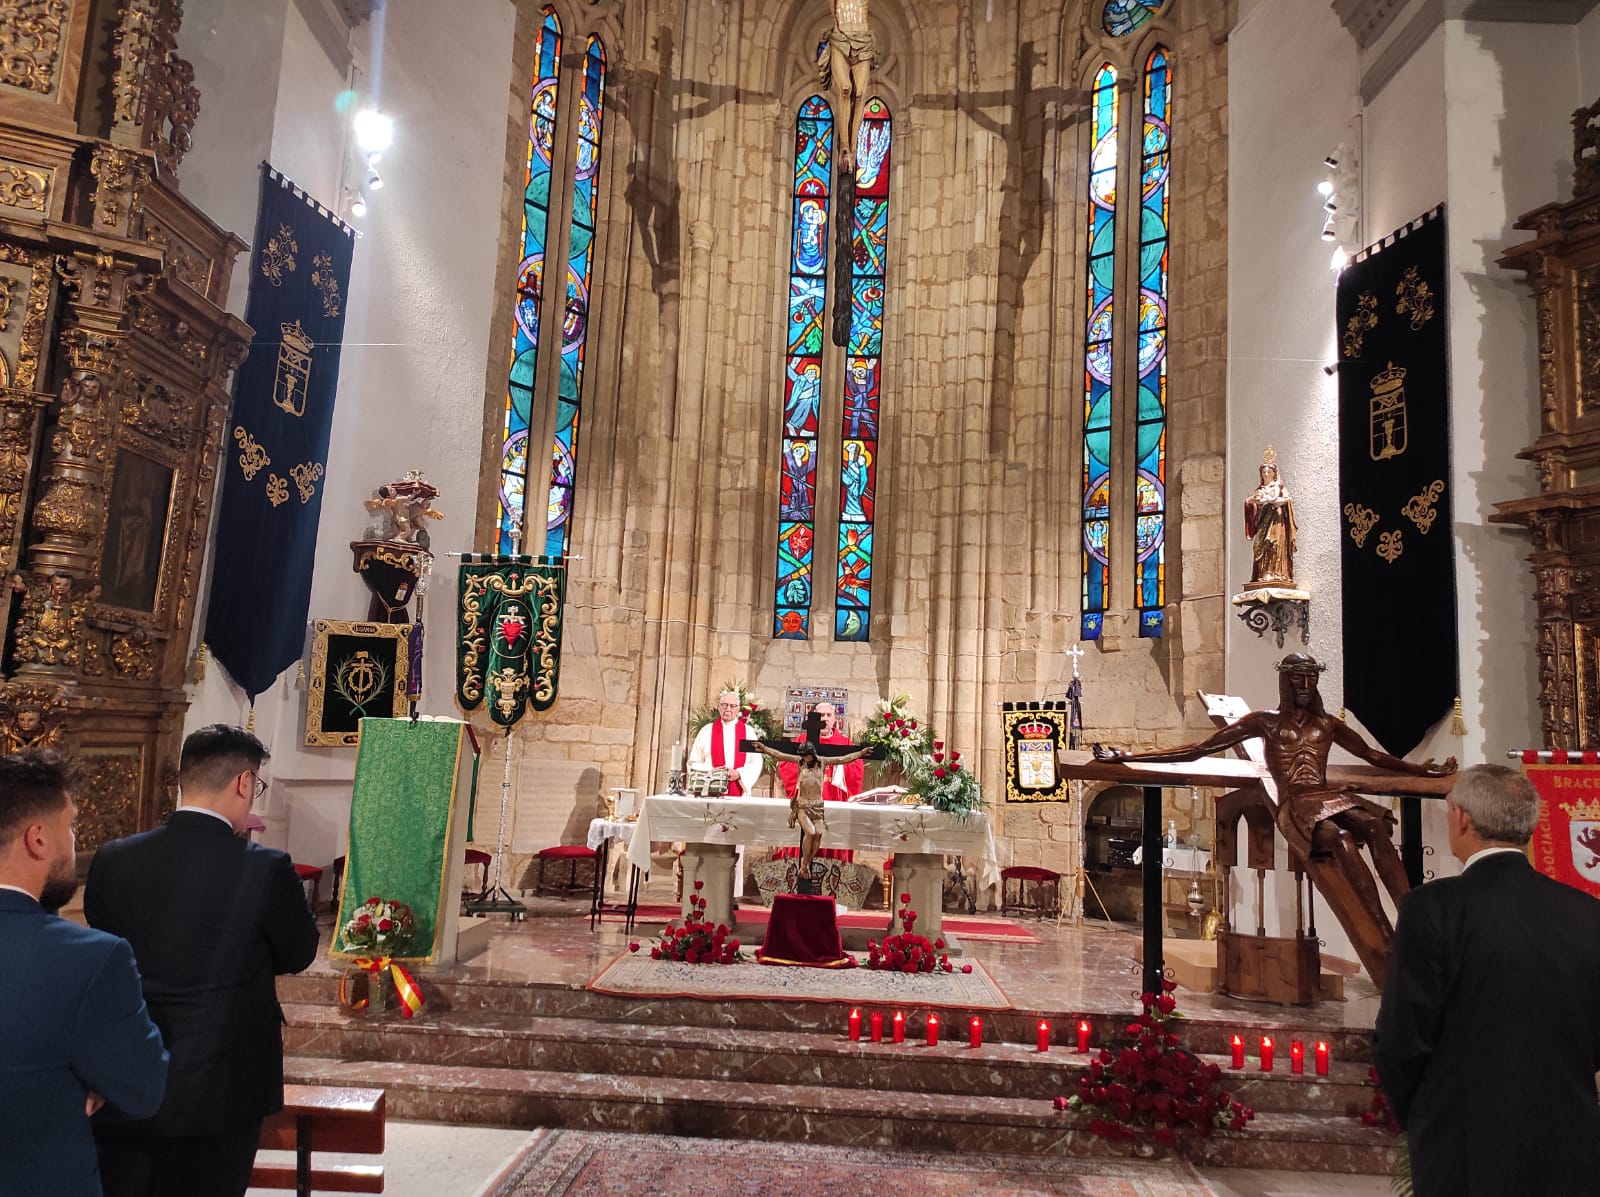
{"x":405,"y":986}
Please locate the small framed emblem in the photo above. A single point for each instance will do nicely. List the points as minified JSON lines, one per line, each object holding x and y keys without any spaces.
{"x":358,"y":671}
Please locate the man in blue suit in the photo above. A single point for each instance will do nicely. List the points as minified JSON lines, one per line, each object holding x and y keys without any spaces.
{"x":73,"y":1029}
{"x":213,"y":920}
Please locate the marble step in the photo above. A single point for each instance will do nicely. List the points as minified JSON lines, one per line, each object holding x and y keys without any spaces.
{"x":319,"y":986}
{"x":810,"y":1113}
{"x":575,"y":1045}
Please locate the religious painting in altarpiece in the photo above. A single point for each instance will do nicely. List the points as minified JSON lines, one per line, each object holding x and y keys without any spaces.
{"x":358,"y":671}
{"x":800,"y":701}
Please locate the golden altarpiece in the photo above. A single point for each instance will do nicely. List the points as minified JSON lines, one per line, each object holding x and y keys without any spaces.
{"x":1562,"y":264}
{"x":115,"y":358}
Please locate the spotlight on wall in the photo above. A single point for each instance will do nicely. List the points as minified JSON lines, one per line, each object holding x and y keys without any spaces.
{"x":1328,"y":233}
{"x":374,"y":130}
{"x":374,"y":157}
{"x":1330,"y":162}
{"x":358,"y":206}
{"x":1331,"y":369}
{"x":374,"y":181}
{"x":1329,"y":206}
{"x":1325,"y":188}
{"x":1339,"y":260}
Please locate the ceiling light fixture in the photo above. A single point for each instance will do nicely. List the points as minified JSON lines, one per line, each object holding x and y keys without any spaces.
{"x":374,"y":181}
{"x":374,"y":130}
{"x":358,"y":206}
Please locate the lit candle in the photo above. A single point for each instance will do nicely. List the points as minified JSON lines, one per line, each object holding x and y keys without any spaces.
{"x":1083,"y":1034}
{"x":855,"y":1026}
{"x":1238,"y":1051}
{"x":876,"y":1023}
{"x":899,"y":1027}
{"x":1044,"y":1035}
{"x":976,"y":1036}
{"x":1322,"y":1059}
{"x":1266,"y":1053}
{"x":1297,"y":1057}
{"x":933,"y":1030}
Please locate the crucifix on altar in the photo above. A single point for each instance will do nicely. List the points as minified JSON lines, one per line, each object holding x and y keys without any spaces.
{"x":814,"y":760}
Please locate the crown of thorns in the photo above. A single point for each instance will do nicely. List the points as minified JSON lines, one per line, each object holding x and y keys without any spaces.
{"x":1300,"y":663}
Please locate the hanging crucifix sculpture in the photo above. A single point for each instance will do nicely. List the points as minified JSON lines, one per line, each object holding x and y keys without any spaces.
{"x":844,"y":66}
{"x":806,"y":811}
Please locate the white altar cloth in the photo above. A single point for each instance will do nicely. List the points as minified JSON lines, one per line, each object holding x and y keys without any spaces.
{"x":886,"y":828}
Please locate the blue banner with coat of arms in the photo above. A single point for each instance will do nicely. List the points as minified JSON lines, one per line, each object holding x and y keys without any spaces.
{"x":276,"y":447}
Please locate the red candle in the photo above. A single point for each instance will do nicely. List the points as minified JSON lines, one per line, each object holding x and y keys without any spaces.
{"x":1044,"y":1035}
{"x":1297,"y":1057}
{"x":1238,"y":1051}
{"x":977,"y":1032}
{"x":899,"y":1027}
{"x":855,"y":1026}
{"x":1322,"y":1059}
{"x":877,"y":1026}
{"x":933,"y":1030}
{"x":1266,"y":1053}
{"x":1083,"y":1034}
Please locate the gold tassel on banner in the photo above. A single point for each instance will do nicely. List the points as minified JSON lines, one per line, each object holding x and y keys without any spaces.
{"x":250,"y":723}
{"x":1458,"y":725}
{"x":197,"y":666}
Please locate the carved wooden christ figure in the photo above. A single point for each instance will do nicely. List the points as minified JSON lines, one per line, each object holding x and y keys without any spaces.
{"x":1326,"y":827}
{"x":805,"y":808}
{"x":844,"y":64}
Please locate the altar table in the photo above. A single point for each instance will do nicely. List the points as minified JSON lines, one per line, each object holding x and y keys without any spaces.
{"x":919,"y":837}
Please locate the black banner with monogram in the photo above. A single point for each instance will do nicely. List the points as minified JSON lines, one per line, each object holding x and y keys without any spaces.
{"x":1397,"y":543}
{"x":508,"y":634}
{"x":277,"y":445}
{"x":1035,"y":732}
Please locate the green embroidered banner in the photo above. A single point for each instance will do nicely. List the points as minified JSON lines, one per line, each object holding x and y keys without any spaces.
{"x":508,"y":648}
{"x":401,"y":829}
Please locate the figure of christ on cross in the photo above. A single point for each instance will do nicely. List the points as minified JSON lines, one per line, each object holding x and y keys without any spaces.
{"x":844,"y":65}
{"x":815,"y":762}
{"x":1323,"y":825}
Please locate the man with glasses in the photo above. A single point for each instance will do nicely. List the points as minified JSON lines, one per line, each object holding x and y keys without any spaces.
{"x":213,"y":919}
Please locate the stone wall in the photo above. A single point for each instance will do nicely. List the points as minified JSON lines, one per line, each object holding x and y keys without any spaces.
{"x":977,"y":565}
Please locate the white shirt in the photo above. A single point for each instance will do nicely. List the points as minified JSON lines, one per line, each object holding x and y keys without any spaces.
{"x":206,"y":810}
{"x":700,"y":753}
{"x":1482,"y":852}
{"x":17,"y":889}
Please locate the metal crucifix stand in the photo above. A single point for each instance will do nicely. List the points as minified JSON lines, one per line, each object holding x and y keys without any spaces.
{"x":497,"y":900}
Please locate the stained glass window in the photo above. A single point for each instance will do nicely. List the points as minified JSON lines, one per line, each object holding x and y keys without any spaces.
{"x":530,"y":281}
{"x":802,"y":365}
{"x":1122,"y":17}
{"x":858,"y":454}
{"x":1100,"y":293}
{"x":575,"y":320}
{"x":1150,"y":454}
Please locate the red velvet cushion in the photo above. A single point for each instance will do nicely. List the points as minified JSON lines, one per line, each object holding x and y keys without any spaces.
{"x":566,"y":852}
{"x":478,"y":856}
{"x":1029,"y":873}
{"x":307,"y":872}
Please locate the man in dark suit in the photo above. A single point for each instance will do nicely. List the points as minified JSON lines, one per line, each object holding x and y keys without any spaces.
{"x":1488,"y":1035}
{"x":73,"y":1028}
{"x":213,"y":919}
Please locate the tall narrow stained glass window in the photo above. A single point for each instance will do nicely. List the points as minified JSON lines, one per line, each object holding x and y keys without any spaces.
{"x":1150,"y":456}
{"x":530,"y":282}
{"x":1100,"y":304}
{"x":575,"y":321}
{"x":858,"y":455}
{"x":802,"y":364}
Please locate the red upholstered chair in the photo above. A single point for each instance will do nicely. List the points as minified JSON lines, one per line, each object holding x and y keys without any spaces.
{"x":1030,"y":888}
{"x":310,"y":877}
{"x":569,"y":854}
{"x":476,"y":856}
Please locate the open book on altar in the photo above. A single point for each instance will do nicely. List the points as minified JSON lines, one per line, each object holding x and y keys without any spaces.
{"x":884,"y":794}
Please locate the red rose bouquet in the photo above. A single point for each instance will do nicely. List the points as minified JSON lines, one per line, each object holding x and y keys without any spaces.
{"x":379,"y":928}
{"x":697,"y":941}
{"x":908,"y":952}
{"x":943,"y":781}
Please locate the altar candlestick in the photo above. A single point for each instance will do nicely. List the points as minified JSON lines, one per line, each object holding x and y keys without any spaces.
{"x":1044,"y":1035}
{"x":976,"y":1036}
{"x":1238,"y":1051}
{"x":1322,"y":1058}
{"x":899,"y":1027}
{"x":1266,"y":1053}
{"x":933,"y":1030}
{"x":1083,"y":1034}
{"x":1297,"y":1057}
{"x":855,"y":1026}
{"x":877,"y":1026}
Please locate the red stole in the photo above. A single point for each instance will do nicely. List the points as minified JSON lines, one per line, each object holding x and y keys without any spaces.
{"x":718,"y":761}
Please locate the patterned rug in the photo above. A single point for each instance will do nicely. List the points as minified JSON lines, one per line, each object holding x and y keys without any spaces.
{"x":634,"y":974}
{"x":555,"y":1163}
{"x":975,"y":927}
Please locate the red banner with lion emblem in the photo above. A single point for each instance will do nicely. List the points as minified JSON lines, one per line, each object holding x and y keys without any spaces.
{"x":1566,"y":843}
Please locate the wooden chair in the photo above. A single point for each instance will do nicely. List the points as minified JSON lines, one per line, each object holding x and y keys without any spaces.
{"x":476,"y":856}
{"x":323,"y":1118}
{"x":1030,"y":888}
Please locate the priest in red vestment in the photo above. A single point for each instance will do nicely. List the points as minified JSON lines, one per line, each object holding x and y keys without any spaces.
{"x":717,"y":747}
{"x":840,"y":782}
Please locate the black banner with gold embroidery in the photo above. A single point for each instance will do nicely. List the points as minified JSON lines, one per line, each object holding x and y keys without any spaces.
{"x":1035,"y":733}
{"x":508,"y":633}
{"x":277,"y":443}
{"x":1397,"y":549}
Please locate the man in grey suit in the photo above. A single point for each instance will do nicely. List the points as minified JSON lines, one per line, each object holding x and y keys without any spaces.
{"x":74,"y":1033}
{"x":1488,"y":1035}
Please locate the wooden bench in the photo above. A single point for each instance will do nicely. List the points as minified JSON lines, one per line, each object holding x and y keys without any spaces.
{"x":323,"y":1118}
